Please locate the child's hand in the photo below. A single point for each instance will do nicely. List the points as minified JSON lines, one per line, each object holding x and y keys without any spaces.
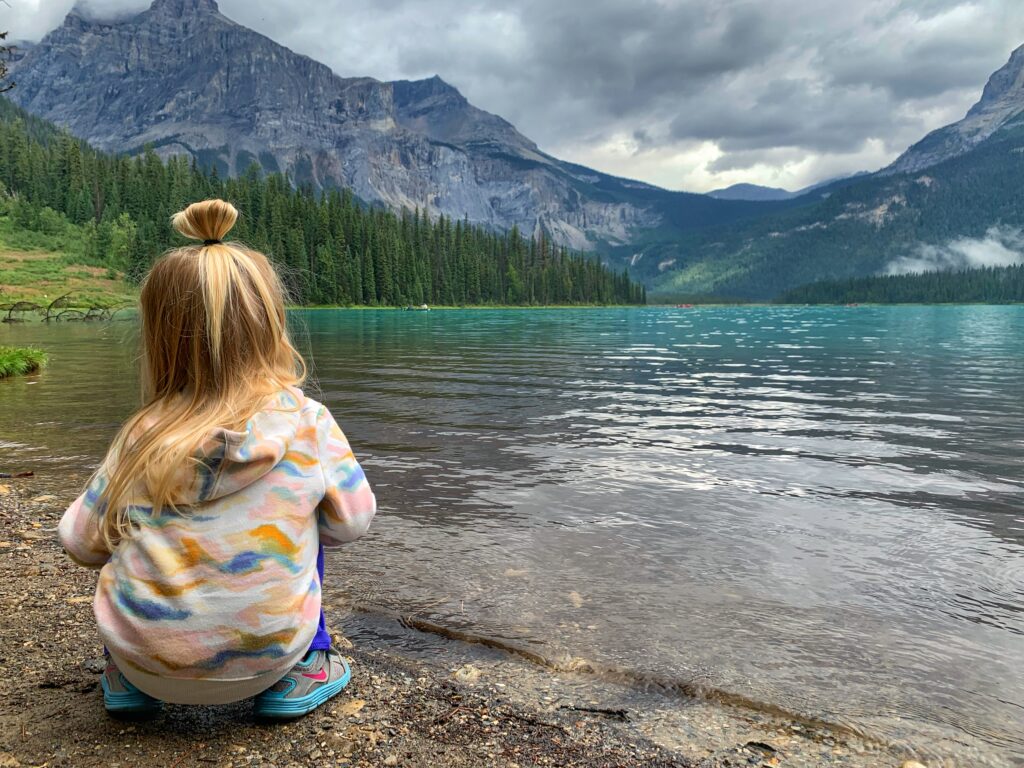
{"x":348,"y":505}
{"x":79,"y":529}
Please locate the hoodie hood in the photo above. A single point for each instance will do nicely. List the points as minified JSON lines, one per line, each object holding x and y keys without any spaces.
{"x":229,"y":460}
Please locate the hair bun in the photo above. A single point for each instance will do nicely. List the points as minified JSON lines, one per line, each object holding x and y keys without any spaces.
{"x":208,"y":221}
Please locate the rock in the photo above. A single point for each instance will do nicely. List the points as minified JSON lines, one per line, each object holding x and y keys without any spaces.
{"x":350,"y":707}
{"x":467,"y":674}
{"x":391,"y":760}
{"x":576,"y":599}
{"x":912,"y":764}
{"x":95,"y":665}
{"x":44,"y":498}
{"x":341,"y":642}
{"x":999,"y":105}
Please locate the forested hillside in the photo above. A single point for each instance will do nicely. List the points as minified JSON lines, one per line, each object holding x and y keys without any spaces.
{"x":331,"y":248}
{"x":243,"y":98}
{"x":861,"y":227}
{"x":997,"y":285}
{"x":955,"y":187}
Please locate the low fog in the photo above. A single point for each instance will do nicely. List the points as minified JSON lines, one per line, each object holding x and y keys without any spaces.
{"x":1001,"y":246}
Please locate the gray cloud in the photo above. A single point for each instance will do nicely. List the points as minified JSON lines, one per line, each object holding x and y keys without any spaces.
{"x":682,"y":93}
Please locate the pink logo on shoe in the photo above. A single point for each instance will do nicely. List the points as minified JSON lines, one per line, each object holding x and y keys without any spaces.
{"x":319,"y":676}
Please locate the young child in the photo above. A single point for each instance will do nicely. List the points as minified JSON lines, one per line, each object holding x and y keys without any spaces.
{"x":209,"y":514}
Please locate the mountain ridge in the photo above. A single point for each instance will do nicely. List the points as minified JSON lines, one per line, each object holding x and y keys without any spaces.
{"x":948,"y":214}
{"x":182,"y":78}
{"x":1001,"y":102}
{"x":755,"y":192}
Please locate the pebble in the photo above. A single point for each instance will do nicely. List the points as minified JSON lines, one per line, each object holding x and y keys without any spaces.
{"x":468,"y":674}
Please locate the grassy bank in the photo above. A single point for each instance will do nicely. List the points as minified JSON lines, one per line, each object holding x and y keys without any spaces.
{"x":38,"y":267}
{"x":16,"y":361}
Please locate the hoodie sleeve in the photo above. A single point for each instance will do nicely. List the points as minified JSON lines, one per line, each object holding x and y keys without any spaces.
{"x":79,"y":528}
{"x":348,"y":504}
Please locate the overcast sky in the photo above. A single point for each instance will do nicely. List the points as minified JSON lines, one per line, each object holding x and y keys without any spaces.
{"x":686,"y":94}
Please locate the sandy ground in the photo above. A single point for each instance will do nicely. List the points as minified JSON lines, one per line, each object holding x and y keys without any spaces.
{"x":452,"y":705}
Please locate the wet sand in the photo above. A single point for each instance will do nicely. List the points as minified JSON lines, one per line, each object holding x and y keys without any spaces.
{"x":451,"y":704}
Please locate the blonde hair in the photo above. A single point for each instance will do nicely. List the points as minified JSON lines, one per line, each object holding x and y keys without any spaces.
{"x":215,"y":347}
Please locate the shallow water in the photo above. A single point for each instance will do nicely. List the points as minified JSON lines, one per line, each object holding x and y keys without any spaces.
{"x":818,"y":509}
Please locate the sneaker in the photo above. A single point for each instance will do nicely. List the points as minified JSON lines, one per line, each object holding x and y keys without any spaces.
{"x":122,"y":698}
{"x":319,"y":676}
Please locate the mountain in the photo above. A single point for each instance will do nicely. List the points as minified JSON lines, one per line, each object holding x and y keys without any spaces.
{"x":751,"y":192}
{"x":1000,"y":105}
{"x":952,"y":201}
{"x":182,"y":78}
{"x":757,"y":193}
{"x":112,"y":214}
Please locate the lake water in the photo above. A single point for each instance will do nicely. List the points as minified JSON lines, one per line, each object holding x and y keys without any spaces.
{"x":819,"y":509}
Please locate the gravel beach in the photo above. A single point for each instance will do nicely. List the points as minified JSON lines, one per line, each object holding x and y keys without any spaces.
{"x":453,"y":705}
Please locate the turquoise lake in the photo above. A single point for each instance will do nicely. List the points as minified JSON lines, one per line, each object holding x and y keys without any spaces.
{"x":818,"y":508}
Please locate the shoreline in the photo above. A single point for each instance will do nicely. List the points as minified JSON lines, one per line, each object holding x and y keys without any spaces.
{"x":416,"y":699}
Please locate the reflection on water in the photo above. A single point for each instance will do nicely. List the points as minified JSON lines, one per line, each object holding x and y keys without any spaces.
{"x":815,"y":508}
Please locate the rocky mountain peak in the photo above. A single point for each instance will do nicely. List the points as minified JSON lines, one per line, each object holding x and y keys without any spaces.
{"x":431,"y":87}
{"x":78,"y":17}
{"x":1000,"y":102}
{"x":184,"y":7}
{"x":184,"y":79}
{"x":1005,"y":87}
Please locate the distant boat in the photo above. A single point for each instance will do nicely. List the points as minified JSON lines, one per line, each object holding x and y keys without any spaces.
{"x":684,"y":306}
{"x":420,"y":308}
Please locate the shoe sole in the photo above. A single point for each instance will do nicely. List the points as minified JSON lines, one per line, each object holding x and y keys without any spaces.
{"x":134,"y":703}
{"x":287,"y":709}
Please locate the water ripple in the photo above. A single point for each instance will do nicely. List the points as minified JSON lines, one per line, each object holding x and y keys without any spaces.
{"x":778,"y":502}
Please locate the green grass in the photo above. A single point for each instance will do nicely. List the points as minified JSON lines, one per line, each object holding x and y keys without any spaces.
{"x":16,"y":361}
{"x":40,"y":266}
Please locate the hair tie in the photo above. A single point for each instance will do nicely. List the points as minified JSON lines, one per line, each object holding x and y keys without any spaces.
{"x":212,"y":242}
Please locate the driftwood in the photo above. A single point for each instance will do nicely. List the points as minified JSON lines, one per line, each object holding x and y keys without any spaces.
{"x":19,"y":306}
{"x":61,"y":302}
{"x":65,"y":307}
{"x":68,"y":309}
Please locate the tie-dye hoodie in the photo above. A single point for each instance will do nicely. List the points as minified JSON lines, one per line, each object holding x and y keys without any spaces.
{"x":227,"y":588}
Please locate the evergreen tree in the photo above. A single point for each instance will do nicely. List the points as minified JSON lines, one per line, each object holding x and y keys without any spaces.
{"x":330,"y":249}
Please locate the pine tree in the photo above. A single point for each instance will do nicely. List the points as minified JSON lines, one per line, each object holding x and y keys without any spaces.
{"x":330,"y":249}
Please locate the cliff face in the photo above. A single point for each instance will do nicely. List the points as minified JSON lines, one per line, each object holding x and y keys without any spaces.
{"x":184,"y":79}
{"x":1001,"y":106}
